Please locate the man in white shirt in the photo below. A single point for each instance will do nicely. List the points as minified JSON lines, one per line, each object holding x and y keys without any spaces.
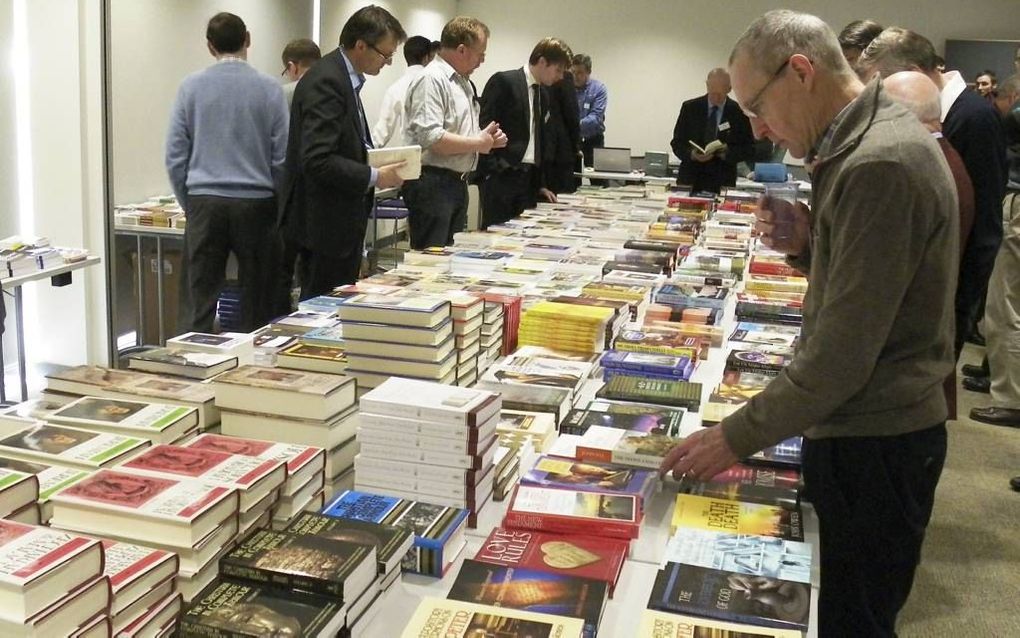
{"x":389,"y":130}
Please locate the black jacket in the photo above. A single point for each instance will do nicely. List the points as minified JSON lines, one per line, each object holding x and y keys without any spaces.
{"x":505,"y":100}
{"x":690,"y":126}
{"x":562,"y":138}
{"x":325,"y":197}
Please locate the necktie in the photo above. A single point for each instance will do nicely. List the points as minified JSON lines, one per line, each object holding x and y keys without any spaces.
{"x":712,"y":125}
{"x":536,"y":119}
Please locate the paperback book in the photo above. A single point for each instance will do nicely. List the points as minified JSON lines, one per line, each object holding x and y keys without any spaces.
{"x":591,"y":477}
{"x":456,"y":619}
{"x":658,"y":624}
{"x":683,"y":394}
{"x":574,"y":512}
{"x":703,"y":512}
{"x":391,"y":543}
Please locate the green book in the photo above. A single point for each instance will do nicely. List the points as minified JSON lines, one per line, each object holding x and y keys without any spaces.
{"x":682,"y":394}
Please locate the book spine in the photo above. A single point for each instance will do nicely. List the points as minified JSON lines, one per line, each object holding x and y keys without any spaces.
{"x":772,"y":268}
{"x":281,"y":579}
{"x":632,"y":459}
{"x":406,"y":411}
{"x":593,"y":454}
{"x":388,"y":451}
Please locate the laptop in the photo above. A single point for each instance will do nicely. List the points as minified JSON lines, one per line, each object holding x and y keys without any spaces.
{"x":656,"y":164}
{"x":612,"y":160}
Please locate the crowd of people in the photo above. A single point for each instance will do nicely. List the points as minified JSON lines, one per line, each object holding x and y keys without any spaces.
{"x":913,"y":228}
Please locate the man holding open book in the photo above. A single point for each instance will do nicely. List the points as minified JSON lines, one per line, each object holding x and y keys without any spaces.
{"x":711,"y":137}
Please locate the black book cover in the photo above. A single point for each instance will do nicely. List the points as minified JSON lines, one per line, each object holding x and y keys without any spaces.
{"x":386,"y":539}
{"x":235,"y":609}
{"x":761,"y":494}
{"x":728,"y":596}
{"x":310,"y":563}
{"x":531,"y":590}
{"x":579,"y":420}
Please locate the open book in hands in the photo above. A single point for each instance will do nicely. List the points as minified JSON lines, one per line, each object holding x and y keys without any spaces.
{"x":713,"y":147}
{"x":378,"y":157}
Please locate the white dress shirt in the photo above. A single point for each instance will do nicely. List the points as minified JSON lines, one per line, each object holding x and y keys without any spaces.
{"x":389,"y":130}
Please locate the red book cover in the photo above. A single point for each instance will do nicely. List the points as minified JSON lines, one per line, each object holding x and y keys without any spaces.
{"x":581,"y":556}
{"x":769,"y":267}
{"x":574,"y":512}
{"x":198,"y":463}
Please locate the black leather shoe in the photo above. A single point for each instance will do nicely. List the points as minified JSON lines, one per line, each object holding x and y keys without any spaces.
{"x":1008,"y":417}
{"x":977,"y":384}
{"x":969,"y":370}
{"x":1015,"y":483}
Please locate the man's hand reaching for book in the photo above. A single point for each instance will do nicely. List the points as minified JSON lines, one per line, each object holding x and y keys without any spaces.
{"x":702,"y":455}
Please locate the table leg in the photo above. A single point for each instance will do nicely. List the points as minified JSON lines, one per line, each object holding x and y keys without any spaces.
{"x":159,"y":290}
{"x":3,"y":369}
{"x":20,"y":329}
{"x":139,"y":257}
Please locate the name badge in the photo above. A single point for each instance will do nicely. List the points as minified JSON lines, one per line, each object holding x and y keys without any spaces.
{"x":546,"y":119}
{"x":587,"y":105}
{"x":724,"y":126}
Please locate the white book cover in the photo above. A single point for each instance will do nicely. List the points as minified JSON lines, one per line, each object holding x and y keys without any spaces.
{"x":27,"y":551}
{"x":126,"y":562}
{"x":228,"y":342}
{"x":412,"y":399}
{"x":80,"y":448}
{"x":411,"y":155}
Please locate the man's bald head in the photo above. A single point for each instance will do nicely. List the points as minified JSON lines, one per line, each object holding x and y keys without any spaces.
{"x":717,"y":84}
{"x":918,"y":93}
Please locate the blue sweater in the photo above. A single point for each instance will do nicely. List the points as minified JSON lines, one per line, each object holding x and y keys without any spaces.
{"x":228,"y":133}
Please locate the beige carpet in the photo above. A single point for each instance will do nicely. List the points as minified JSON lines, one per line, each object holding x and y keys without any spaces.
{"x":968,"y":583}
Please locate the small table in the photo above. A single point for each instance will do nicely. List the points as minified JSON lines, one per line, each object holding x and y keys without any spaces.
{"x":15,"y":284}
{"x":139,"y":232}
{"x":376,"y":215}
{"x":626,"y":177}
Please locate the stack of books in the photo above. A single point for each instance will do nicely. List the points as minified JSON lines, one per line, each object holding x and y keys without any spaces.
{"x":233,"y":344}
{"x":296,"y":407}
{"x":142,"y":579}
{"x":49,"y":480}
{"x":507,"y":470}
{"x":301,"y":322}
{"x":566,"y":327}
{"x":304,"y":488}
{"x":53,"y":581}
{"x":405,"y":336}
{"x":159,"y":423}
{"x":182,"y":363}
{"x":491,"y":341}
{"x":19,"y":494}
{"x":429,"y":442}
{"x":517,"y":427}
{"x":70,"y":447}
{"x":190,"y":518}
{"x":438,"y":531}
{"x":574,"y":511}
{"x":538,"y":366}
{"x":638,"y":297}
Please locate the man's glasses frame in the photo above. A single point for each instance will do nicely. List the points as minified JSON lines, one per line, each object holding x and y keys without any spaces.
{"x":752,"y":106}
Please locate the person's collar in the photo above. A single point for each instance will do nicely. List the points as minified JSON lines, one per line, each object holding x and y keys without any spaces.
{"x":953,"y":85}
{"x":828,"y":145}
{"x":708,"y":100}
{"x":529,"y":77}
{"x":448,"y":69}
{"x":230,"y":58}
{"x":357,"y":79}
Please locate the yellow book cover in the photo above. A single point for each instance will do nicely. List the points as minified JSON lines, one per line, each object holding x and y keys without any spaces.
{"x":657,"y":624}
{"x":570,"y":312}
{"x":437,"y":617}
{"x":735,"y":517}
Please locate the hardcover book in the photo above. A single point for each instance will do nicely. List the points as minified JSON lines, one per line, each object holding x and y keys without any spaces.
{"x":657,"y":624}
{"x":407,"y":398}
{"x":391,"y":543}
{"x":52,"y":478}
{"x":742,"y":553}
{"x":625,"y":447}
{"x":293,"y":393}
{"x":729,"y":596}
{"x":70,"y":446}
{"x":333,"y":568}
{"x":455,"y":619}
{"x":180,"y":362}
{"x":703,"y":512}
{"x":591,"y":477}
{"x":531,"y":590}
{"x":234,"y":608}
{"x":574,"y":512}
{"x":654,"y":419}
{"x":133,"y":570}
{"x":313,"y":358}
{"x":421,"y":311}
{"x":18,"y":488}
{"x":303,"y":462}
{"x":682,"y":394}
{"x":155,"y":422}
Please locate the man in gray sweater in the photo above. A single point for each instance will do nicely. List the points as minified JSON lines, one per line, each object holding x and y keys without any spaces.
{"x":879,"y":246}
{"x":224,"y":155}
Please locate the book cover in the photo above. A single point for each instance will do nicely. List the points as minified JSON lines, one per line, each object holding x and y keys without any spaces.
{"x":658,"y":624}
{"x":658,"y":341}
{"x":714,"y":593}
{"x":591,"y":477}
{"x":90,"y":379}
{"x":457,"y":619}
{"x":531,"y":590}
{"x":638,"y":417}
{"x":243,"y":472}
{"x":574,"y":512}
{"x":128,"y":415}
{"x":408,"y":398}
{"x":658,"y":364}
{"x":234,"y":608}
{"x":634,"y":388}
{"x":316,"y":352}
{"x":300,"y":382}
{"x":297,"y":457}
{"x":70,"y":446}
{"x":391,"y":543}
{"x":304,"y":562}
{"x":187,"y":362}
{"x":765,"y":334}
{"x":756,"y":360}
{"x":28,"y":552}
{"x":741,"y":553}
{"x":125,"y":563}
{"x":623,"y":447}
{"x":702,"y":512}
{"x":52,"y":478}
{"x":576,"y":555}
{"x":785,"y":454}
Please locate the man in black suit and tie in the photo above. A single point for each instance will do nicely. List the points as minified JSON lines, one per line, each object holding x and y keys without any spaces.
{"x":703,"y":120}
{"x":328,"y":186}
{"x":518,"y":101}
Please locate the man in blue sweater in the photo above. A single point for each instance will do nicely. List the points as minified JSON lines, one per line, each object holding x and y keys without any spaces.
{"x":224,"y":154}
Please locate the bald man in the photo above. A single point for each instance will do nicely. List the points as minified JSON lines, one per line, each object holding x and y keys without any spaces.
{"x":713,"y":116}
{"x":922,"y":97}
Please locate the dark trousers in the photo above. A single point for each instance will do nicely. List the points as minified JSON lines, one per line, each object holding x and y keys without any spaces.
{"x":437,"y":204}
{"x":507,"y":193}
{"x":975,"y":269}
{"x":320,"y":272}
{"x":874,"y":498}
{"x":289,"y":250}
{"x":588,"y":147}
{"x":216,"y":227}
{"x":559,"y":177}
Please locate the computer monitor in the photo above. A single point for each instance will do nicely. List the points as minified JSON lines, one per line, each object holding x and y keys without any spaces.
{"x":656,"y":164}
{"x":612,"y":160}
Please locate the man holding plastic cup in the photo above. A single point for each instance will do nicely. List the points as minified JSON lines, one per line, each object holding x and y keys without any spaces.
{"x":879,"y":248}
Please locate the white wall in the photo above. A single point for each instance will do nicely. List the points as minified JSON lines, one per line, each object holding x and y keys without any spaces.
{"x":418,"y":17}
{"x":654,"y":54}
{"x":155,"y":44}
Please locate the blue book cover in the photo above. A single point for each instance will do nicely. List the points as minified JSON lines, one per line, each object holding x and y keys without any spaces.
{"x":663,"y":365}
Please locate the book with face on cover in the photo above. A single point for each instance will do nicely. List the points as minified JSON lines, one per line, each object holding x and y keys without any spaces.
{"x":456,"y":619}
{"x":39,"y":565}
{"x":292,"y":393}
{"x":303,"y":462}
{"x":159,"y":423}
{"x":252,"y":477}
{"x":658,"y":624}
{"x":165,"y":511}
{"x":70,"y":446}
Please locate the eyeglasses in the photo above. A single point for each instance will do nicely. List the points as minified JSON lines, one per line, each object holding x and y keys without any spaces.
{"x":386,"y":57}
{"x":752,"y":105}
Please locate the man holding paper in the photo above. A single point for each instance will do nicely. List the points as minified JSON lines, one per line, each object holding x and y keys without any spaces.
{"x":711,"y":137}
{"x":328,"y":190}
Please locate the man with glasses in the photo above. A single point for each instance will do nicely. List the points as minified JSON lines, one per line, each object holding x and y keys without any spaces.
{"x":298,"y":56}
{"x":442,"y":113}
{"x":706,"y":119}
{"x":879,"y":246}
{"x":328,"y":189}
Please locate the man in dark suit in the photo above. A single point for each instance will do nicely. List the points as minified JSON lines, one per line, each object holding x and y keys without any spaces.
{"x":517,"y":100}
{"x":703,"y":120}
{"x":562,"y":137}
{"x":328,"y":186}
